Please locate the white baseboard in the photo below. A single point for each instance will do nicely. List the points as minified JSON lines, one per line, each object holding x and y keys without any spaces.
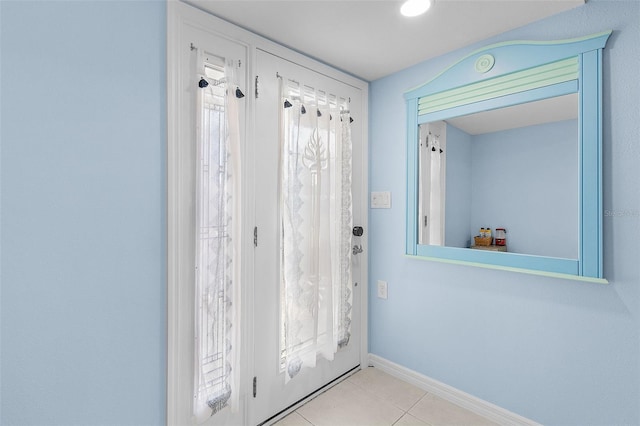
{"x":451,"y":394}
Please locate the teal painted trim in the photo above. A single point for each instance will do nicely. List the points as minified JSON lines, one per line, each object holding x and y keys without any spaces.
{"x":510,"y":269}
{"x":581,"y":169}
{"x":566,"y":47}
{"x":591,"y":165}
{"x":559,"y":89}
{"x":511,"y":58}
{"x":600,"y":206}
{"x":412,"y":177}
{"x":506,"y":259}
{"x":521,"y":81}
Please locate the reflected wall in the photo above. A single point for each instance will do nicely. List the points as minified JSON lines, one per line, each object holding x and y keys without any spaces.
{"x":524,"y":180}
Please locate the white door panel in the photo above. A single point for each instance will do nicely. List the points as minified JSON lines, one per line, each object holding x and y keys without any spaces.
{"x":196,"y":46}
{"x":272,"y":393}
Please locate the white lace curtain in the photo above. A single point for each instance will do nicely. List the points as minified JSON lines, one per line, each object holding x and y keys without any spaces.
{"x":316,"y":213}
{"x":435,"y":198}
{"x":217,"y":286}
{"x":432,"y":182}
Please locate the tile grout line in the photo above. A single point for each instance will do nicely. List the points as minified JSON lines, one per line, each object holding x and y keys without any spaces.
{"x":300,"y":414}
{"x":361,"y":389}
{"x":326,"y":390}
{"x":404,"y":412}
{"x":374,"y":395}
{"x":368,"y":392}
{"x":418,"y":401}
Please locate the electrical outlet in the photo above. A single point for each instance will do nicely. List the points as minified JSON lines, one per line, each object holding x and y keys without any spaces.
{"x":382,"y":289}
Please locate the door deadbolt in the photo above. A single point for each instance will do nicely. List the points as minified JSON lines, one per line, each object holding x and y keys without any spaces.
{"x":358,"y":231}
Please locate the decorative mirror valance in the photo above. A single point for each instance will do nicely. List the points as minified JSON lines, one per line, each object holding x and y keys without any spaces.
{"x":510,"y":138}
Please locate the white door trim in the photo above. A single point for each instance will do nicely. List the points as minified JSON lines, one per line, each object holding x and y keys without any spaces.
{"x":180,"y":14}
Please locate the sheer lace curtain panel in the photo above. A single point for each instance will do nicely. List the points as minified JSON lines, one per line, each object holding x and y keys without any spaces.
{"x":316,"y":213}
{"x":218,"y":204}
{"x":432,"y":183}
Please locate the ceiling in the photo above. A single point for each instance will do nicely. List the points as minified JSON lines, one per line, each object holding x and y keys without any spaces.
{"x":370,"y":39}
{"x":549,"y":110}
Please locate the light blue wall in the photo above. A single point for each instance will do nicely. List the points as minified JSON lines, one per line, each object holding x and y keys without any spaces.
{"x":458,"y":188}
{"x":534,"y":193}
{"x":557,"y":351}
{"x":83,"y":223}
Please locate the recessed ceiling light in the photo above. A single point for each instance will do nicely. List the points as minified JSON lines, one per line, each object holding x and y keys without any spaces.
{"x":415,"y":7}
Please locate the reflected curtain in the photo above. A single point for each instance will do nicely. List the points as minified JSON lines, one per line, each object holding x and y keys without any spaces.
{"x":436,"y":194}
{"x":431,"y":159}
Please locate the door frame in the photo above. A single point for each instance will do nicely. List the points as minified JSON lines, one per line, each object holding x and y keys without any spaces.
{"x":179,"y":15}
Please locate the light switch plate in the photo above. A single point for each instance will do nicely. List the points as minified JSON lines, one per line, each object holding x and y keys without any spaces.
{"x":382,"y":289}
{"x":381,"y":200}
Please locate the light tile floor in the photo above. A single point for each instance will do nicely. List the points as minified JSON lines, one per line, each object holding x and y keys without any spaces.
{"x":373,"y":398}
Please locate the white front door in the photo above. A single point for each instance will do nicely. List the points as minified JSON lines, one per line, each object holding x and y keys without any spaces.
{"x":272,"y":395}
{"x":196,"y":39}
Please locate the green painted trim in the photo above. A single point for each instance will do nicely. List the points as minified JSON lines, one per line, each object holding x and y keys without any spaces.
{"x":521,"y":81}
{"x":511,"y":269}
{"x":568,"y":66}
{"x":510,"y":43}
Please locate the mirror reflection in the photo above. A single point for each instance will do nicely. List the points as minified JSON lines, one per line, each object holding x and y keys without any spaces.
{"x":512,"y":169}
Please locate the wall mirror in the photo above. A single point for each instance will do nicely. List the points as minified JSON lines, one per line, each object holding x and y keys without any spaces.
{"x":509,"y":139}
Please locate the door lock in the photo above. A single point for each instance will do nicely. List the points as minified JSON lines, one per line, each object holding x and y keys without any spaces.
{"x":358,"y":231}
